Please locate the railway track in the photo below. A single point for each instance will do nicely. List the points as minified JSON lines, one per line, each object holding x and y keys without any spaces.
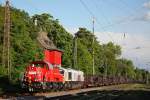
{"x":114,"y":92}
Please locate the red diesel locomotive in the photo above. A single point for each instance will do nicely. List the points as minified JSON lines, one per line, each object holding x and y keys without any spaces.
{"x":48,"y":74}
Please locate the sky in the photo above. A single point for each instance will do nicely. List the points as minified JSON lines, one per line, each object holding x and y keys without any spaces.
{"x":124,"y":22}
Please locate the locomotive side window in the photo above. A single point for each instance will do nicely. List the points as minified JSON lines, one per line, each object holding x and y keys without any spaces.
{"x":62,"y":72}
{"x":79,"y":77}
{"x":69,"y":75}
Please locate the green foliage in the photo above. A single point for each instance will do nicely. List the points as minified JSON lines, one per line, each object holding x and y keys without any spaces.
{"x":25,"y":48}
{"x":126,"y":68}
{"x":61,"y":38}
{"x":84,"y":59}
{"x":110,"y":52}
{"x":104,"y":55}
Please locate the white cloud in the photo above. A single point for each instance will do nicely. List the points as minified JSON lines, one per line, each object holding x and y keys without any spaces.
{"x":146,"y":17}
{"x":147,"y":4}
{"x":135,"y":47}
{"x":72,"y":30}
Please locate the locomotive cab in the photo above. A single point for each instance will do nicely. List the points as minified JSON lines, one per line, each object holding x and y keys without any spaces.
{"x":36,"y":71}
{"x":48,"y":74}
{"x":40,"y":73}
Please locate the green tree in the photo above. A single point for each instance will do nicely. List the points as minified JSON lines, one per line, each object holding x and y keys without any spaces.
{"x":61,"y":38}
{"x":23,"y":47}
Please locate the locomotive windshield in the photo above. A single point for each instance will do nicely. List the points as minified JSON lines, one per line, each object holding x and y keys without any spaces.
{"x":39,"y":64}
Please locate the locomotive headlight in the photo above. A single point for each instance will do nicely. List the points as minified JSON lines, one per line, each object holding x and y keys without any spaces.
{"x":39,"y":72}
{"x":29,"y":79}
{"x":32,"y":72}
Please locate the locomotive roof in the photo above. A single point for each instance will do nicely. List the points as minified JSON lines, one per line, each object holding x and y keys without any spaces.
{"x":37,"y":62}
{"x":70,"y":69}
{"x":55,"y":49}
{"x":42,"y":62}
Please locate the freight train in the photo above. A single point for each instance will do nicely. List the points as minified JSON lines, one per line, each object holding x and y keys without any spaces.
{"x":49,"y":75}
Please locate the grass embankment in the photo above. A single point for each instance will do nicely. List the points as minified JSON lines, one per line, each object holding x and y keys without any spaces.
{"x":144,"y":87}
{"x":8,"y":87}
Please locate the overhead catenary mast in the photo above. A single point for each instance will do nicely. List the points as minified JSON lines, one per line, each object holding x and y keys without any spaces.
{"x":6,"y":62}
{"x":75,"y":52}
{"x":93,"y":22}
